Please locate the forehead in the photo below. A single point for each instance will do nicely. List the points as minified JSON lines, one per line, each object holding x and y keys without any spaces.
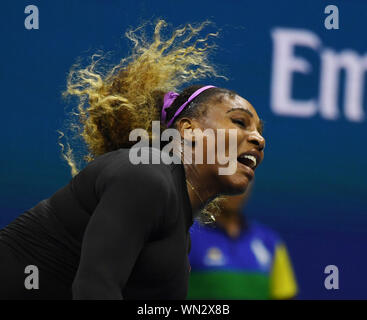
{"x":227,"y":103}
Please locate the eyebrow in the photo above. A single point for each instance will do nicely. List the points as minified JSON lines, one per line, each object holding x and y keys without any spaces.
{"x":261,"y":124}
{"x":241,"y":109}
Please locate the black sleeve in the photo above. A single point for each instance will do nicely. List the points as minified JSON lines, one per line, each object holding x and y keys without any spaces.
{"x":129,"y":210}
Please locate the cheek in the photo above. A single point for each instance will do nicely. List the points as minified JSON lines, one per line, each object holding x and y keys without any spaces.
{"x":233,"y":142}
{"x":223,"y":145}
{"x":241,"y":137}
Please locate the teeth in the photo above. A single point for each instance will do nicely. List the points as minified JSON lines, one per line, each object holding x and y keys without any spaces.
{"x":252,"y":158}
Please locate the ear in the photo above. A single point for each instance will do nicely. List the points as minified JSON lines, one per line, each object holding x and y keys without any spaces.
{"x":186,"y":126}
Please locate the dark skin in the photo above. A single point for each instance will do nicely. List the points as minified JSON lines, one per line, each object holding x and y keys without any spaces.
{"x":230,"y":113}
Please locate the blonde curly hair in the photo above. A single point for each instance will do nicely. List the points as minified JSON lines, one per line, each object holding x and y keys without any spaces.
{"x":112,"y":101}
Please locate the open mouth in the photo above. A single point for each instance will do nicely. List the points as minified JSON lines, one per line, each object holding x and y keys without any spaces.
{"x":247,"y":160}
{"x":250,"y":159}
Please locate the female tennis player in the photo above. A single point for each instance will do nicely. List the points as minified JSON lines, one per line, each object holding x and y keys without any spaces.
{"x":119,"y":230}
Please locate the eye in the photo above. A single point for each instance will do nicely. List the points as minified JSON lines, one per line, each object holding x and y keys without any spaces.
{"x":239,"y":122}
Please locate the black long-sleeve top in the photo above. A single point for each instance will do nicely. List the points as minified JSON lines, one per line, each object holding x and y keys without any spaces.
{"x":117,"y":230}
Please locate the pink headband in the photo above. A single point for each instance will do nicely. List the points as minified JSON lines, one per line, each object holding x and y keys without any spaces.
{"x":169,"y":97}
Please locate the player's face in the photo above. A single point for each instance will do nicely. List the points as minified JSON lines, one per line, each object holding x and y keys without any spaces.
{"x":234,"y":113}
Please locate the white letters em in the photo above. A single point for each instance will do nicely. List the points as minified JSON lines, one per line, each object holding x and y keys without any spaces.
{"x":286,"y":63}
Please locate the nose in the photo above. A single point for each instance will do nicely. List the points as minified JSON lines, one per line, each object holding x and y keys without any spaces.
{"x":257,"y":139}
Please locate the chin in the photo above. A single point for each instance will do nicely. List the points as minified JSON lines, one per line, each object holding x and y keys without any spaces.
{"x":235,"y":184}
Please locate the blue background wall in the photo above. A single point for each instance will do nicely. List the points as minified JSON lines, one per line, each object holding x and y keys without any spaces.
{"x":312,"y":184}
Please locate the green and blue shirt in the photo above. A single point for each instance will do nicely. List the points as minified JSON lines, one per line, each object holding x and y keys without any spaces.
{"x":254,"y":265}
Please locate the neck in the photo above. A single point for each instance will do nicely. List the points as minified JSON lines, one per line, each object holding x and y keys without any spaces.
{"x":198,"y":187}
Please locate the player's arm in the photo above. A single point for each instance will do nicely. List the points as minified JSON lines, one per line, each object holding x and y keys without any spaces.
{"x":122,"y":222}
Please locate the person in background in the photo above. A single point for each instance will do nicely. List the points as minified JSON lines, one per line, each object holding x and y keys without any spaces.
{"x":236,"y":259}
